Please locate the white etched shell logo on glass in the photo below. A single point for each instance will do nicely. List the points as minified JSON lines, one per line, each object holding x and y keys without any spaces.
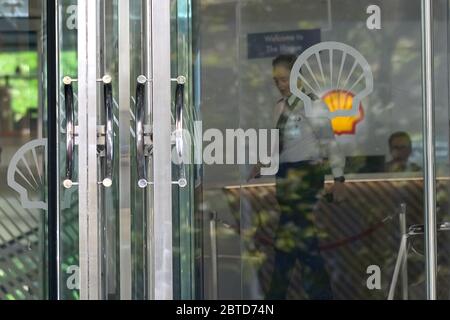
{"x":26,"y":174}
{"x":331,"y":67}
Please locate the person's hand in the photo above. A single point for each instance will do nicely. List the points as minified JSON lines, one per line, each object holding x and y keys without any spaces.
{"x":339,"y":192}
{"x":255,"y":173}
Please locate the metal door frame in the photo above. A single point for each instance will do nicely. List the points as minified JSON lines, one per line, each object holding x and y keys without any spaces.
{"x":161,"y":224}
{"x":87,"y":123}
{"x":429,"y":149}
{"x":125,"y":231}
{"x":53,"y":238}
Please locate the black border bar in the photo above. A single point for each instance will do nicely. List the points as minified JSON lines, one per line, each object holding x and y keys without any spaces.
{"x":52,"y":164}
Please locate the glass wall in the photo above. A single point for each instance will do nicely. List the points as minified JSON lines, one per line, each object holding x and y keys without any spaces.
{"x":23,"y":204}
{"x":442,"y":120}
{"x":296,"y":233}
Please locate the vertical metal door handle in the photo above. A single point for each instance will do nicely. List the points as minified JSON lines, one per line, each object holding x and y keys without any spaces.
{"x":70,"y":131}
{"x":179,"y":109}
{"x":109,"y":132}
{"x":179,"y":143}
{"x":140,"y":132}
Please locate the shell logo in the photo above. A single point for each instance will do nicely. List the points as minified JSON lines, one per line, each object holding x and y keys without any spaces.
{"x":343,"y":100}
{"x":25,"y":175}
{"x":341,"y":76}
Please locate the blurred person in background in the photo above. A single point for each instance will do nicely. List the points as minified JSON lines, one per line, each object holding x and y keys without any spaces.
{"x":304,"y":144}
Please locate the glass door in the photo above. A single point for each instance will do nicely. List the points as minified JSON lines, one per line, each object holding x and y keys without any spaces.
{"x":306,"y":171}
{"x":115,"y":161}
{"x":85,"y":214}
{"x":68,"y":247}
{"x":88,"y":160}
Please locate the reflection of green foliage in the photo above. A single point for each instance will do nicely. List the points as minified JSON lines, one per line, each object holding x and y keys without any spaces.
{"x":24,"y":87}
{"x":26,"y":60}
{"x":24,"y":96}
{"x":69,"y":63}
{"x":24,"y":91}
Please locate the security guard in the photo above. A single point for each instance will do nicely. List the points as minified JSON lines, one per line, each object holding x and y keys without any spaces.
{"x":304,"y":144}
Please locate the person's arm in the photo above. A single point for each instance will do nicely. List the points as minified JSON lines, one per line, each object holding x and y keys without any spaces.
{"x":271,"y":167}
{"x":336,"y":159}
{"x":330,"y":147}
{"x":255,"y":172}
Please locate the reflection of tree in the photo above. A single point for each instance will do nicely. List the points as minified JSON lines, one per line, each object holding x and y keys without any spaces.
{"x":6,"y":115}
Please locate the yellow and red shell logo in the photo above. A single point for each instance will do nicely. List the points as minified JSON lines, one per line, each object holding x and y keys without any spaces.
{"x":343,"y":100}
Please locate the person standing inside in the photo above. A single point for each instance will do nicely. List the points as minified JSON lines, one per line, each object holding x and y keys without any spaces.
{"x":400,"y":147}
{"x":304,"y":145}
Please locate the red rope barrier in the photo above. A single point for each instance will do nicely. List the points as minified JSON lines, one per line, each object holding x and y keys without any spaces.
{"x":340,"y":243}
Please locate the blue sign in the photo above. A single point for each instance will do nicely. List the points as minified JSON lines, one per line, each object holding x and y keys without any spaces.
{"x":272,"y":44}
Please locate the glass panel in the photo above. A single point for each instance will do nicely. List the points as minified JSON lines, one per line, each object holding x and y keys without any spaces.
{"x":183,"y":197}
{"x":141,"y":210}
{"x":68,"y":206}
{"x":109,"y":196}
{"x":341,"y":81}
{"x":442,"y":143}
{"x":23,"y":148}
